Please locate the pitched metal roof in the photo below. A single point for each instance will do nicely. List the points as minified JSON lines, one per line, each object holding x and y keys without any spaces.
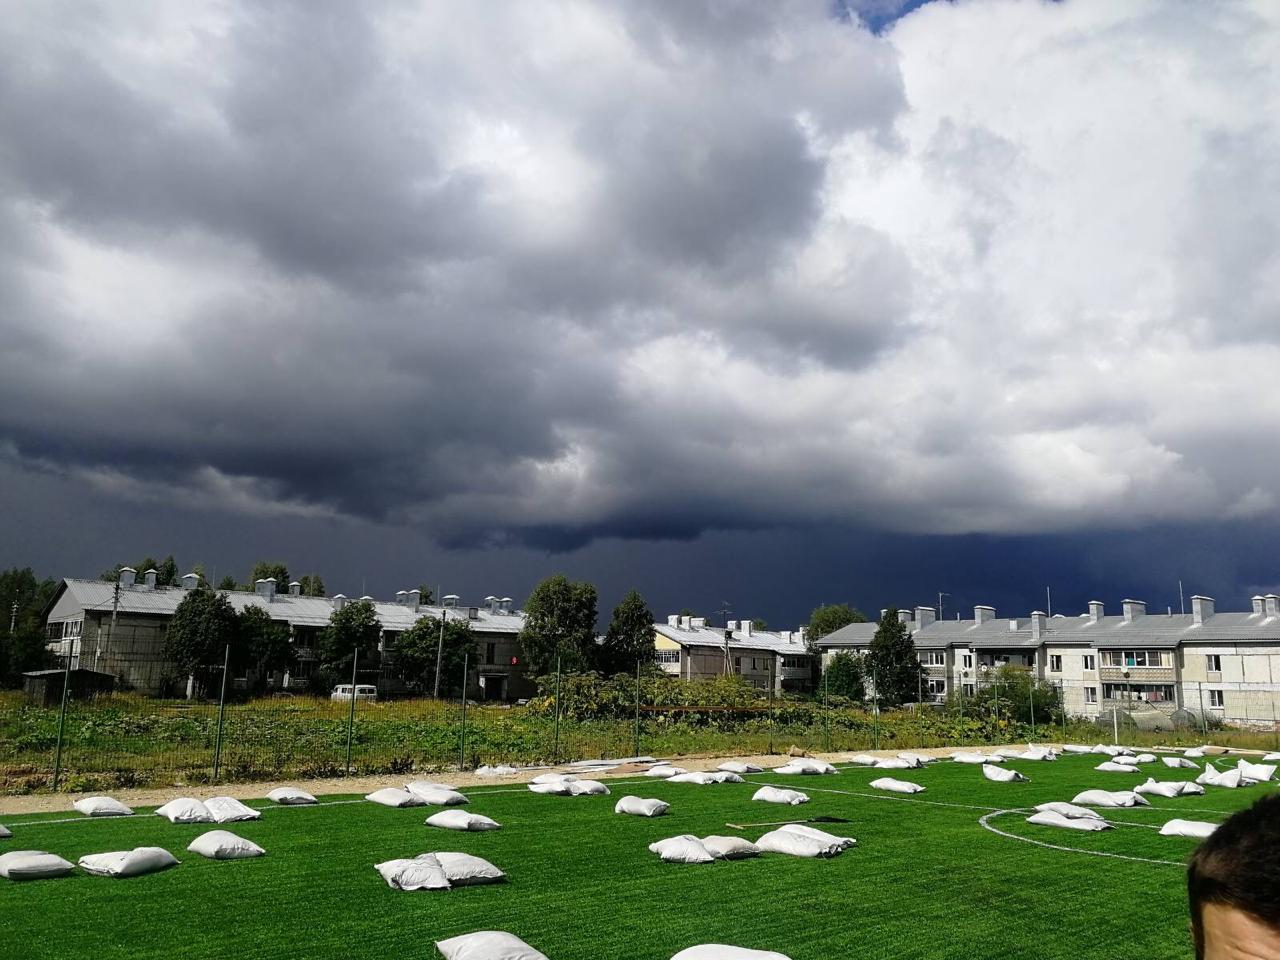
{"x":298,"y":611}
{"x":760,"y":641}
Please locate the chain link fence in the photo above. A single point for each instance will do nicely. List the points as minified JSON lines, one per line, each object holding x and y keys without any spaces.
{"x":62,"y":734}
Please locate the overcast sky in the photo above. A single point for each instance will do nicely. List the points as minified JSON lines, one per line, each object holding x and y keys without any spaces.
{"x":766,"y":303}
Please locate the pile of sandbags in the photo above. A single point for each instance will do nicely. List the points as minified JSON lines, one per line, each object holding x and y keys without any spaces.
{"x":438,"y":871}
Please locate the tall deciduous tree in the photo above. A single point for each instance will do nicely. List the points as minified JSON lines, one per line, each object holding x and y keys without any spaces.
{"x":415,"y":654}
{"x":25,"y":649}
{"x":898,"y":676}
{"x":629,"y":639}
{"x":311,"y":585}
{"x":265,"y":569}
{"x":355,"y":627}
{"x":845,"y":676}
{"x":263,"y":644}
{"x":228,"y":582}
{"x":201,"y":628}
{"x":829,"y":618}
{"x":560,"y":621}
{"x":426,"y":594}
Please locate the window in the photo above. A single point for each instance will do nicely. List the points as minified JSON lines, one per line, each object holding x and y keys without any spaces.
{"x":1132,"y":658}
{"x":1090,"y":694}
{"x":1055,"y":663}
{"x":1216,"y":699}
{"x":1214,"y":663}
{"x":968,"y":661}
{"x":489,"y":652}
{"x":795,"y":663}
{"x":1148,"y":692}
{"x":938,"y":688}
{"x":1089,"y":664}
{"x":737,"y":664}
{"x":666,"y":656}
{"x":934,"y":658}
{"x":968,"y":689}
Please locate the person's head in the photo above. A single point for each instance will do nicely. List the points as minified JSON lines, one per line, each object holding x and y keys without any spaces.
{"x":1233,"y":884}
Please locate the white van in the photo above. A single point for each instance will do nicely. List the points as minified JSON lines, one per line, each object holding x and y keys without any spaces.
{"x":364,"y":691}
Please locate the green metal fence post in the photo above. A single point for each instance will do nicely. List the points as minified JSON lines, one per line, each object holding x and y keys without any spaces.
{"x":62,"y":720}
{"x":875,"y":709}
{"x":462,"y":749}
{"x":351,"y":716}
{"x":1031,"y":693}
{"x":222,"y":706}
{"x":1062,"y":706}
{"x":826,"y":715}
{"x":637,"y":753}
{"x":772,"y":680}
{"x":555,"y":754}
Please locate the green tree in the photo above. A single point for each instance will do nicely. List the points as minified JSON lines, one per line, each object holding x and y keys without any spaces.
{"x":25,"y":649}
{"x":845,"y":676}
{"x":262,"y":644}
{"x":829,"y":618}
{"x":415,"y":654}
{"x":166,"y":571}
{"x":629,"y":639}
{"x":312,"y":585}
{"x":1012,"y":692}
{"x":759,"y":624}
{"x":202,"y":578}
{"x":897,"y":673}
{"x":355,"y":627}
{"x":426,"y":595}
{"x":228,"y":582}
{"x":560,"y":621}
{"x":265,"y":569}
{"x":199,"y":631}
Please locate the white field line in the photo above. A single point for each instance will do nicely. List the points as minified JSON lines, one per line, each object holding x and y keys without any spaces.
{"x":983,"y":822}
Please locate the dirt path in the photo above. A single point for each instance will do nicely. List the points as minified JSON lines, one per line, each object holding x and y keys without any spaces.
{"x":61,"y":802}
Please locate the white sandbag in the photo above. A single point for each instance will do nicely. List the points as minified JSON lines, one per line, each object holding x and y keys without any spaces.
{"x":961,"y":756}
{"x":1050,"y":819}
{"x":797,"y":845}
{"x":1169,"y":788}
{"x":224,"y":845}
{"x":102,"y":807}
{"x":1257,"y":772}
{"x":185,"y":810}
{"x":1125,"y":760}
{"x":1075,"y":748}
{"x":730,"y":848}
{"x":588,"y":788}
{"x":919,"y":758}
{"x":1002,"y":774}
{"x":1271,"y":757}
{"x":33,"y":865}
{"x":415,"y":785}
{"x":1034,"y":752}
{"x":699,"y":777}
{"x":804,"y":830}
{"x":502,"y":770}
{"x":664,"y":771}
{"x":1179,"y":763}
{"x":1110,"y":798}
{"x":1068,"y":810}
{"x":555,"y":788}
{"x":230,"y":810}
{"x":391,"y":797}
{"x":5,"y":832}
{"x":726,"y":776}
{"x":641,"y":806}
{"x":737,"y":766}
{"x":465,"y":870}
{"x":462,"y":820}
{"x":1195,"y":753}
{"x":128,"y":863}
{"x":779,"y":795}
{"x":1110,"y":766}
{"x":806,"y":765}
{"x":487,"y":945}
{"x":436,"y":795}
{"x":685,"y":848}
{"x":720,"y":951}
{"x":1213,"y":777}
{"x":419,"y":873}
{"x":1196,"y":829}
{"x":897,"y":763}
{"x":896,"y":786}
{"x":554,"y":778}
{"x":291,"y":797}
{"x":863,"y":760}
{"x":1145,"y":758}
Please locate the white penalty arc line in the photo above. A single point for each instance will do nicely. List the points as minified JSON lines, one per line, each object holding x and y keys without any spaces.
{"x":983,"y":822}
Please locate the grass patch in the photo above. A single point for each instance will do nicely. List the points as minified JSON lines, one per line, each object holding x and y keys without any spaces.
{"x":925,"y":881}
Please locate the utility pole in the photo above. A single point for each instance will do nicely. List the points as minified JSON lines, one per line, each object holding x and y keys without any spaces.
{"x":940,"y":596}
{"x":115,"y":608}
{"x":1048,"y":600}
{"x":1182,"y":603}
{"x":724,"y":611}
{"x":13,"y":618}
{"x":440,"y":652}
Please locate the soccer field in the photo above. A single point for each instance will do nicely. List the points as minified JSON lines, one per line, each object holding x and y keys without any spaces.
{"x":927,"y":879}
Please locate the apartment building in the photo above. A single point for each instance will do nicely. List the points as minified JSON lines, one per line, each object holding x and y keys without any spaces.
{"x":1224,"y":665}
{"x":121,"y":631}
{"x":688,"y":648}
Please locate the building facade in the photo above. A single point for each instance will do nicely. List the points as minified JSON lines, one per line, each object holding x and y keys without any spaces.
{"x":686,"y":647}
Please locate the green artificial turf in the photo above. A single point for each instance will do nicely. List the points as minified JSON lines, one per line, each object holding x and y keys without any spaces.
{"x":926,"y":880}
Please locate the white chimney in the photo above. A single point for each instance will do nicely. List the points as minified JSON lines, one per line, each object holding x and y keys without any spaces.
{"x":800,"y":634}
{"x":1201,"y":609}
{"x":190,"y":581}
{"x":883,"y":612}
{"x":1039,"y":624}
{"x":1272,"y":604}
{"x":1133,"y":609}
{"x":473,"y":613}
{"x":926,"y":615}
{"x":698,"y":622}
{"x":684,"y":623}
{"x":731,"y":625}
{"x":1096,"y":610}
{"x":413,"y":598}
{"x":128,"y":576}
{"x":492,"y":603}
{"x":266,"y":588}
{"x":673,"y":620}
{"x":744,"y":627}
{"x":983,"y":614}
{"x":1259,"y":604}
{"x":295,"y":588}
{"x":339,"y":601}
{"x":904,"y":616}
{"x":450,"y":600}
{"x":149,"y":578}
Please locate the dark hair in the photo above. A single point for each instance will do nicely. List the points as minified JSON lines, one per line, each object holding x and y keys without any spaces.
{"x":1239,"y":866}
